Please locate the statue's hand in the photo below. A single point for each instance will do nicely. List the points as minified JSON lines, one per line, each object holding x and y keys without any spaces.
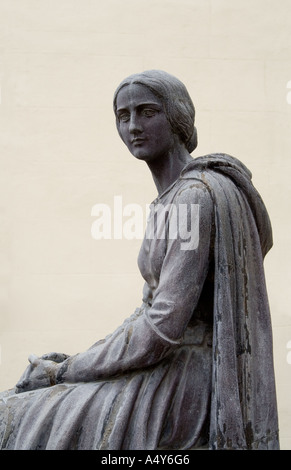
{"x":40,"y":373}
{"x":56,"y":357}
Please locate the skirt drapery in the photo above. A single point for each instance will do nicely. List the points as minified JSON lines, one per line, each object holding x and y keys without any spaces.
{"x":165,"y":406}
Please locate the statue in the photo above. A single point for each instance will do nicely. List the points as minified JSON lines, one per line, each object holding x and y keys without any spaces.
{"x":192,"y":368}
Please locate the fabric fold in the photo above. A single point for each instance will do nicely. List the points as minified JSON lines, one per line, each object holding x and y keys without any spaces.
{"x":243,"y":402}
{"x":158,"y":382}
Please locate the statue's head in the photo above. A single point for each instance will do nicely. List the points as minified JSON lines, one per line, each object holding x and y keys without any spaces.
{"x":176,"y":101}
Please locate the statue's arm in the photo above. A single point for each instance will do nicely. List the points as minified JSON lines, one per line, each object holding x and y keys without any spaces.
{"x":153,"y":332}
{"x":156,"y":330}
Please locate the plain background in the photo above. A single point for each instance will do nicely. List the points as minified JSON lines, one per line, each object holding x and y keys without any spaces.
{"x":60,"y":63}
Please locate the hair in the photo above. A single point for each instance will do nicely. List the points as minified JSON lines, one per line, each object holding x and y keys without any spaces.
{"x":175,"y":98}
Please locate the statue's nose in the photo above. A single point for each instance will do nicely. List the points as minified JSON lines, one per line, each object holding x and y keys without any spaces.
{"x":134,"y":124}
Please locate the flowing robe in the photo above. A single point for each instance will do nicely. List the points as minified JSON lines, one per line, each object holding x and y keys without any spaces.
{"x":193,"y":366}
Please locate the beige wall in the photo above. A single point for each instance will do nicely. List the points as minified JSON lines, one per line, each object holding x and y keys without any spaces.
{"x":60,"y":62}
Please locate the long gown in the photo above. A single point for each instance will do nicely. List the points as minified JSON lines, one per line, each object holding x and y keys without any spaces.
{"x":192,"y":367}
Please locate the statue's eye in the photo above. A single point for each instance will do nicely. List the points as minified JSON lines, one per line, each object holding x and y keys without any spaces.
{"x":123,"y":117}
{"x":148,"y":112}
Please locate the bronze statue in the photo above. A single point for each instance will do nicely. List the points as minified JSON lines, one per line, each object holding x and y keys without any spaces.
{"x":192,"y":368}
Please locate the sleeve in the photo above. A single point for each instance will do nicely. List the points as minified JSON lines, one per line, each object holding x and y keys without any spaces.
{"x":154,"y":331}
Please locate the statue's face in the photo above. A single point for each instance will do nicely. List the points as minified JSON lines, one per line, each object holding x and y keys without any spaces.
{"x":143,"y":124}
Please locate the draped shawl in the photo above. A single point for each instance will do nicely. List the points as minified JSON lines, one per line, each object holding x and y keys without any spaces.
{"x":243,"y":403}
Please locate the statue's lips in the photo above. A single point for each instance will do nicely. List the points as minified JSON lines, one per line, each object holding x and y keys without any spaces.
{"x":137,"y":141}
